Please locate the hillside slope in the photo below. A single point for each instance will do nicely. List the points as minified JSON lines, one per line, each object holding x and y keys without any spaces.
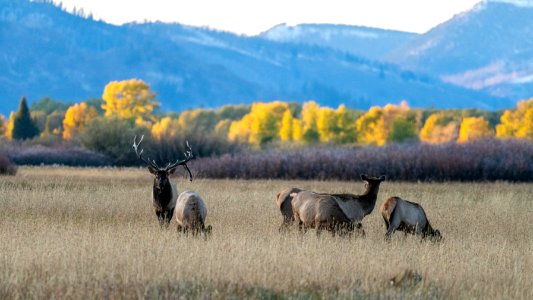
{"x":48,"y":52}
{"x":489,"y":47}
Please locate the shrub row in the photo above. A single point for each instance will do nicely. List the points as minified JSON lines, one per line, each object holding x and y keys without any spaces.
{"x":39,"y":155}
{"x":485,"y":160}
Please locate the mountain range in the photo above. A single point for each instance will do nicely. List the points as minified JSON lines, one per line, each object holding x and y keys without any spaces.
{"x":46,"y":51}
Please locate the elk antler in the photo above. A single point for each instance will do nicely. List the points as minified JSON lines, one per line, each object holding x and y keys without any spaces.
{"x":183,"y":162}
{"x":140,"y":154}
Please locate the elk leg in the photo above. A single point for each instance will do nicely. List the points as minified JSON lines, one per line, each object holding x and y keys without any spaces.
{"x":325,"y":225}
{"x":360,"y":229}
{"x":165,"y":218}
{"x":170,"y":214}
{"x":420,"y":232}
{"x":207,"y":231}
{"x":301,"y":227}
{"x":285,"y":225}
{"x":160,"y":218}
{"x":393,"y":225}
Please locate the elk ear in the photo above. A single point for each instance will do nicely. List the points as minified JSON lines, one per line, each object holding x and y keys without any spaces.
{"x":152,"y":170}
{"x":172,"y":171}
{"x":363,"y":177}
{"x":382,"y":177}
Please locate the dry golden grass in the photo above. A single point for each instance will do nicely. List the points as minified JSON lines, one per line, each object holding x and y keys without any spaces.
{"x":92,"y":233}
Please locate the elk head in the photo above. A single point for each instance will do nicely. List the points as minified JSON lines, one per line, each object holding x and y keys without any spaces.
{"x":164,"y":192}
{"x":162,"y":173}
{"x":372,"y":181}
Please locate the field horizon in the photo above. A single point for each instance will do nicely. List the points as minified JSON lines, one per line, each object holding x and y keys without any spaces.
{"x":92,"y":233}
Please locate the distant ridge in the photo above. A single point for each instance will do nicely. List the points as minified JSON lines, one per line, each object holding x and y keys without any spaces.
{"x":372,"y":43}
{"x":489,"y":47}
{"x":46,"y":51}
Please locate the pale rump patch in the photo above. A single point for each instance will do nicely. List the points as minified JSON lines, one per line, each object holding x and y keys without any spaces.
{"x":387,"y":207}
{"x":190,"y":209}
{"x":285,"y":194}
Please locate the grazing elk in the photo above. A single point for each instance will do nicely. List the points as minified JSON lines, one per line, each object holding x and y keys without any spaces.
{"x":335,"y":212}
{"x":408,"y":217}
{"x":284,"y":203}
{"x":164,"y":191}
{"x":191,"y":213}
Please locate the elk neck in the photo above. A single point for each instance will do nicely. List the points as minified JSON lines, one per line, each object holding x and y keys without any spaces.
{"x":163,"y":196}
{"x":369,"y":197}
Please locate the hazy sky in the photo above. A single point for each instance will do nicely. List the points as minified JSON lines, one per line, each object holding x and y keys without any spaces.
{"x":252,"y":17}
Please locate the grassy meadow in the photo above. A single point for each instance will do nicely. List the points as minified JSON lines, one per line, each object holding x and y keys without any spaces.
{"x":92,"y":233}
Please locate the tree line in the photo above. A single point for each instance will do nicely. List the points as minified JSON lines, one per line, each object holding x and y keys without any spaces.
{"x":130,"y":107}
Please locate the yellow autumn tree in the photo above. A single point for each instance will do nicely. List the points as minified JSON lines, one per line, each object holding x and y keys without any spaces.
{"x":129,"y":99}
{"x":309,"y":121}
{"x":517,"y":123}
{"x":297,"y":130}
{"x":165,"y":128}
{"x":439,"y":128}
{"x":76,"y":118}
{"x":326,"y":124}
{"x":375,"y":126}
{"x":286,"y":128}
{"x":10,"y":125}
{"x":367,"y":126}
{"x":474,"y":128}
{"x":239,"y":131}
{"x":261,"y":125}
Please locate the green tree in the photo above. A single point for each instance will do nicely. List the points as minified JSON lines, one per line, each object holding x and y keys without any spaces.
{"x":23,"y":126}
{"x":39,"y":119}
{"x":403,"y":129}
{"x":113,"y":137}
{"x":48,"y":105}
{"x":233,"y":112}
{"x":309,"y":119}
{"x":199,"y":121}
{"x":54,"y":123}
{"x":346,"y":125}
{"x":97,"y":103}
{"x":2,"y":125}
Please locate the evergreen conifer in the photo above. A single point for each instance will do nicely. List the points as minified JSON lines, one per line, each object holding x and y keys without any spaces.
{"x":23,"y":125}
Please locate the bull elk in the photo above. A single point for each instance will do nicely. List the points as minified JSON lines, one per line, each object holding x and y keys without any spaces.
{"x":406,"y":216}
{"x":190,"y":209}
{"x":335,"y":212}
{"x":284,"y":203}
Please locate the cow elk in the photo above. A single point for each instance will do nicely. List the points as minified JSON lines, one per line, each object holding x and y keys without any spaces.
{"x":406,"y":216}
{"x":341,"y":213}
{"x":191,"y":213}
{"x":284,"y":203}
{"x":190,"y":209}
